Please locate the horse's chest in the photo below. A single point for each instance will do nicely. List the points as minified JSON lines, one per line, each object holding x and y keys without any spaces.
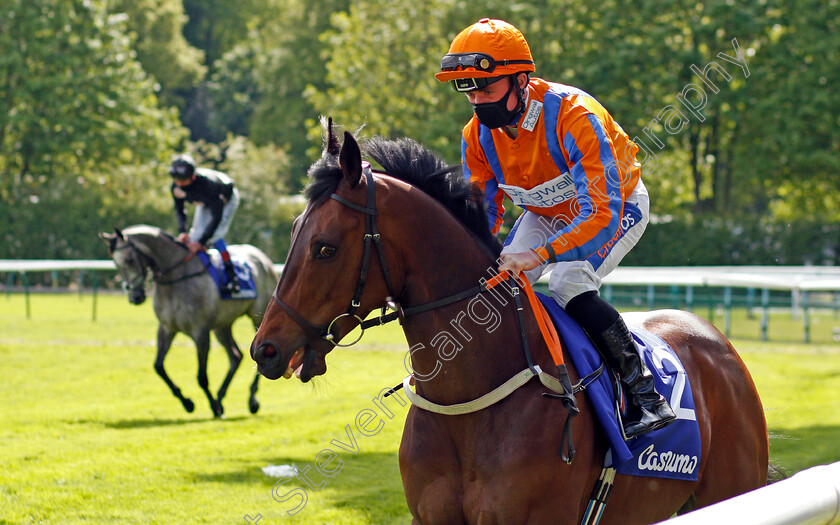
{"x":487,"y":475}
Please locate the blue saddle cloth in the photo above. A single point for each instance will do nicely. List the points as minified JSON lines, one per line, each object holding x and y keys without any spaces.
{"x":671,"y":452}
{"x":244,"y":273}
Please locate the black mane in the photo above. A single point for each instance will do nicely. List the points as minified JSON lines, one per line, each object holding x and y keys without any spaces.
{"x":408,"y":160}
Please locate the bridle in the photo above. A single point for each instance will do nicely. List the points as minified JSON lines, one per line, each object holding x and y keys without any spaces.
{"x":323,"y":336}
{"x":158,"y":275}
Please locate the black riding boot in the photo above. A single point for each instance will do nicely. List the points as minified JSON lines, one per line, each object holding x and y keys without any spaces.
{"x":647,"y":410}
{"x":232,"y":285}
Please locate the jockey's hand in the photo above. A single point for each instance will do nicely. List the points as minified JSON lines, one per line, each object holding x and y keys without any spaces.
{"x":519,"y":262}
{"x":194,"y":246}
{"x":183,"y":237}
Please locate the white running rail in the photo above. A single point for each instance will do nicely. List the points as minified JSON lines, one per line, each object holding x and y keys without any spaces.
{"x":810,"y":497}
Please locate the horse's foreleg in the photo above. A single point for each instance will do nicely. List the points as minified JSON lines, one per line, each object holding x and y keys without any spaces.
{"x":202,"y":344}
{"x":164,"y":340}
{"x":253,"y":404}
{"x":225,"y":337}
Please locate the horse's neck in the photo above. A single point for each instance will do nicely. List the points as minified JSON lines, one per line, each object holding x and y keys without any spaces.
{"x":463,"y":350}
{"x":163,"y":252}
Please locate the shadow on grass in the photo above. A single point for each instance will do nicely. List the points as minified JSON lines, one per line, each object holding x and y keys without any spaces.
{"x":135,"y":423}
{"x":364,"y":477}
{"x":795,"y":449}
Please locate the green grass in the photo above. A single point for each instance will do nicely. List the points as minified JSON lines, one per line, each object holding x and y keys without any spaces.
{"x":90,"y":434}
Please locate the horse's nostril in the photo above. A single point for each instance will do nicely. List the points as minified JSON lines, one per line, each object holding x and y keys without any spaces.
{"x":269,"y":350}
{"x":264,"y":350}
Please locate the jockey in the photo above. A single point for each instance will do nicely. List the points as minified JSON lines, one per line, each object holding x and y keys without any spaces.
{"x":216,"y":201}
{"x":560,"y":156}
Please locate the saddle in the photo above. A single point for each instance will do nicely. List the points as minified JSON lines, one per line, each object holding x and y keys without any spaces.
{"x":671,"y":452}
{"x":212,"y":260}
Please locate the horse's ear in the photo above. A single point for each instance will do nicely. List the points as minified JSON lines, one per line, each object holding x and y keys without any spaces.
{"x":350,"y":160}
{"x":119,"y":233}
{"x":333,"y":147}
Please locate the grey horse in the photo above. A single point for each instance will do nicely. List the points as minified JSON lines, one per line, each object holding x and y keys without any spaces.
{"x":187,"y":300}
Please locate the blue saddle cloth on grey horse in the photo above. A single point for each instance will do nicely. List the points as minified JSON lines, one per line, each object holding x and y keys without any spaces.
{"x":670,"y":452}
{"x":244,"y":273}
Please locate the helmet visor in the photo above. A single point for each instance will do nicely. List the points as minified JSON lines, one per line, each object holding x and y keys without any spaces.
{"x":465,"y":85}
{"x":478,"y":61}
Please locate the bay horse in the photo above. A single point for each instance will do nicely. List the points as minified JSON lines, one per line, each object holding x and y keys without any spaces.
{"x":502,"y":464}
{"x":187,"y":300}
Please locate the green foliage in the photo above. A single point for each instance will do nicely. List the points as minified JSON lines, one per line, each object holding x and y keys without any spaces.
{"x":292,"y":52}
{"x":233,"y":92}
{"x":161,"y":47}
{"x":88,"y":88}
{"x":394,"y":93}
{"x":80,"y":108}
{"x":790,"y":145}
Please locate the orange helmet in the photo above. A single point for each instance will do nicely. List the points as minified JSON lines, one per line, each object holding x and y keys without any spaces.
{"x":488,"y":48}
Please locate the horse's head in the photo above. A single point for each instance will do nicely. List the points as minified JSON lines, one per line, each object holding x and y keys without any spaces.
{"x":131,"y":264}
{"x":333,"y":275}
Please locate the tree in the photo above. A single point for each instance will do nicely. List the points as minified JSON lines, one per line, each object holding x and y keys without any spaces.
{"x":290,"y":55}
{"x":78,"y":107}
{"x":156,"y":26}
{"x":791,"y":149}
{"x":382,"y":57}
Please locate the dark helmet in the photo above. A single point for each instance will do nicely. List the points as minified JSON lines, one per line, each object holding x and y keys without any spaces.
{"x":183,"y":167}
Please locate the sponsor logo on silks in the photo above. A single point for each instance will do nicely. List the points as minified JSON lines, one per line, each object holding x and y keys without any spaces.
{"x":529,"y":121}
{"x":668,"y":461}
{"x":546,"y":195}
{"x":632,"y":215}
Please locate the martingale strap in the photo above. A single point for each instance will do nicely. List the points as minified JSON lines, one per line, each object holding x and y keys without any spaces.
{"x":492,"y":397}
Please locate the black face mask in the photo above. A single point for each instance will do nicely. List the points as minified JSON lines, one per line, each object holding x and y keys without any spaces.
{"x":496,"y":114}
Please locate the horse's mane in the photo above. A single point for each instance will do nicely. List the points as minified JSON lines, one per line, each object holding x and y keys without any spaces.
{"x":409,"y":161}
{"x":143,"y":229}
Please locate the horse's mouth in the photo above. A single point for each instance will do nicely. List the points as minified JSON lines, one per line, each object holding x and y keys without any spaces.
{"x":312,"y":363}
{"x":305,"y":363}
{"x":295,"y":365}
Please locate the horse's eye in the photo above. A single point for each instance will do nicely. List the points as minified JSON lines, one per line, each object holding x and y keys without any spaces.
{"x":324,"y":251}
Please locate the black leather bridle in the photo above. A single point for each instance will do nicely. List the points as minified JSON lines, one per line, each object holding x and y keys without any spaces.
{"x":392,"y":310}
{"x":322,"y":337}
{"x":325,"y":332}
{"x":158,"y":275}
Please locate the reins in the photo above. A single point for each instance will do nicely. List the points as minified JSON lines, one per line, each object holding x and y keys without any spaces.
{"x":158,"y":275}
{"x":323,"y":338}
